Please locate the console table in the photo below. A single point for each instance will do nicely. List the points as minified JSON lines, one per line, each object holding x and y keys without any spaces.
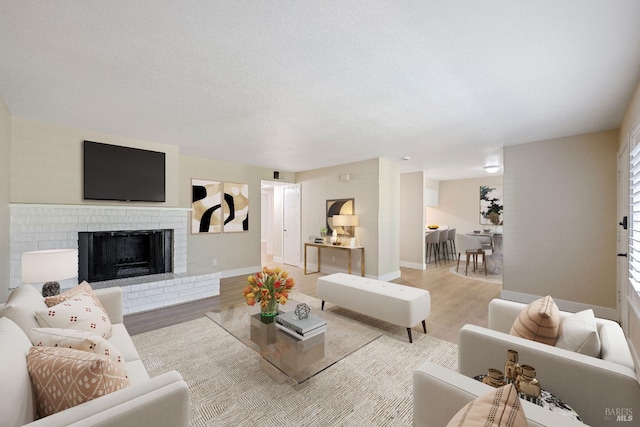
{"x":349,"y":250}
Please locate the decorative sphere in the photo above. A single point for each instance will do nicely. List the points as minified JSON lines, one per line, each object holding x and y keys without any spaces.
{"x":302,"y":311}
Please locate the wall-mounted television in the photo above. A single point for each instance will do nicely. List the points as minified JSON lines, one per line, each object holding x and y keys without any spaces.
{"x":113,"y":172}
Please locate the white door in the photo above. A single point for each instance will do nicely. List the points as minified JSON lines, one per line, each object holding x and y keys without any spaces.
{"x":623,"y":236}
{"x":291,"y":222}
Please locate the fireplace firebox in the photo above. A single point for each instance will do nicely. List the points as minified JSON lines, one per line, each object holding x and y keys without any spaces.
{"x":107,"y":255}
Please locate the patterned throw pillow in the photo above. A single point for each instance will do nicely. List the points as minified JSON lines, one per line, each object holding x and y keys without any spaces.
{"x":539,"y":321}
{"x":82,"y":288}
{"x":501,"y":407}
{"x":79,"y":312}
{"x":79,"y":340}
{"x":65,"y":377}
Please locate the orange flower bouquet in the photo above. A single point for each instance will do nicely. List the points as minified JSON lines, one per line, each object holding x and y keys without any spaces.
{"x":268,"y":287}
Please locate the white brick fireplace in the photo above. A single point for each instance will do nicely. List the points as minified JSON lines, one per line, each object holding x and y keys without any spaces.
{"x":38,"y":227}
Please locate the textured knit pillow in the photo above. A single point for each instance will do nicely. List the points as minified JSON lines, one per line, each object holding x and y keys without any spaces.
{"x":79,"y":312}
{"x":539,"y":321}
{"x":579,"y":333}
{"x":500,"y":407}
{"x":79,"y":340}
{"x":65,"y":377}
{"x":82,"y":288}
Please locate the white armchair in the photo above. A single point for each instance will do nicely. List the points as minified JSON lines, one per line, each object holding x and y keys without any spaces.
{"x":438,"y":394}
{"x":596,"y":389}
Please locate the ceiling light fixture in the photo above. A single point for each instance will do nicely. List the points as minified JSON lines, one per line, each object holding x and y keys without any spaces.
{"x":491,"y":168}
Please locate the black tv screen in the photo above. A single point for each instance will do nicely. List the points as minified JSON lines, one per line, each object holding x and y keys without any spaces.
{"x":112,"y":172}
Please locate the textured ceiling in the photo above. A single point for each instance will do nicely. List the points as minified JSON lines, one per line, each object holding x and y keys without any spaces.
{"x":298,"y":85}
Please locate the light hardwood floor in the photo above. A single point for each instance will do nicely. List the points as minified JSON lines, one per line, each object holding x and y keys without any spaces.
{"x":455,"y":300}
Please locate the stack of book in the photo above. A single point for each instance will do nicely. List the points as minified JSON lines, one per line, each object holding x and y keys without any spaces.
{"x":300,"y":328}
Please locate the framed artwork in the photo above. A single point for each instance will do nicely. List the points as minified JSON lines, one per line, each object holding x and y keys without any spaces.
{"x":206,"y":205}
{"x":235,"y":207}
{"x":491,"y":205}
{"x":338,"y":207}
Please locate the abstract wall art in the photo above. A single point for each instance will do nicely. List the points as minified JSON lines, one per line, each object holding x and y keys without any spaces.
{"x":206,"y":205}
{"x":338,"y":207}
{"x":491,"y":205}
{"x":236,"y":207}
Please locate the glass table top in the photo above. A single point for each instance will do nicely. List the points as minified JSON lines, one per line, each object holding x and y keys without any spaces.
{"x":296,"y":359}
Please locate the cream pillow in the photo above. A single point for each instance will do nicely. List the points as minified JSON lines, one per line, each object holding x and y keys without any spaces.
{"x":79,"y":340}
{"x":500,"y":407}
{"x":82,"y":288}
{"x":65,"y":377}
{"x":79,"y":312}
{"x":538,"y":321}
{"x":21,"y":307}
{"x":579,"y":333}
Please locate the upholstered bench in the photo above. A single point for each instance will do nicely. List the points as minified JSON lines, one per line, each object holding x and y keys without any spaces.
{"x":398,"y":304}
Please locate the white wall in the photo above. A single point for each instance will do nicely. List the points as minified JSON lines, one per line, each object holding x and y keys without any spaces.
{"x":319,"y":185}
{"x":5,"y":192}
{"x":47,"y":163}
{"x":235,"y":253}
{"x":412,"y":220}
{"x":389,"y":217}
{"x":46,"y":168}
{"x":560,"y":220}
{"x":459,"y":203}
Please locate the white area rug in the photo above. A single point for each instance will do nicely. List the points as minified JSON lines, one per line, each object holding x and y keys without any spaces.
{"x":370,"y":387}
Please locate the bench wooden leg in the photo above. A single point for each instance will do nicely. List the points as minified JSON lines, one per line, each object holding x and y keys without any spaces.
{"x":410,"y":337}
{"x":424,"y":326}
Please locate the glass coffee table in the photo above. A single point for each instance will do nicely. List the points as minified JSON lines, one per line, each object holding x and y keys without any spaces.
{"x":286,"y":357}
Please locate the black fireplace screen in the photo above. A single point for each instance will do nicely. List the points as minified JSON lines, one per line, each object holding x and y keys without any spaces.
{"x":107,"y":255}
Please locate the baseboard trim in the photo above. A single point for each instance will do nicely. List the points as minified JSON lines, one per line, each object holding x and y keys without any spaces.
{"x":413,"y":265}
{"x":240,"y":271}
{"x":564,"y":305}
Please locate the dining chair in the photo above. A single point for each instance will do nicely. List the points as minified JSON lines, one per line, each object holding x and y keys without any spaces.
{"x":432,"y":241}
{"x":444,"y":238}
{"x":452,"y":241}
{"x":472,"y":247}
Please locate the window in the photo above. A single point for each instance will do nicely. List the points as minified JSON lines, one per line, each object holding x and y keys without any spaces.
{"x":634,"y":224}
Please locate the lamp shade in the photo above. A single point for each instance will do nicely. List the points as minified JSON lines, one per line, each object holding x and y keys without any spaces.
{"x":345,"y":220}
{"x":49,"y":265}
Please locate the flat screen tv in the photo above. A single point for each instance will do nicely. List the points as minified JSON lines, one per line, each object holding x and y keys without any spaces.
{"x":112,"y":172}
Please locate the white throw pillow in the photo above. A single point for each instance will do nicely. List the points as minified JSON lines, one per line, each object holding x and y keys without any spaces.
{"x":21,"y":307}
{"x":79,"y":312}
{"x":579,"y":333}
{"x":78,"y":340}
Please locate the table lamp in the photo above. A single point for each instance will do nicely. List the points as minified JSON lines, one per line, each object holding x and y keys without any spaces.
{"x":49,"y":266}
{"x":346,"y":223}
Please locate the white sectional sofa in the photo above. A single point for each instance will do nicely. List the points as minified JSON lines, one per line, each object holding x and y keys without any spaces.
{"x":596,"y":388}
{"x":158,"y":401}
